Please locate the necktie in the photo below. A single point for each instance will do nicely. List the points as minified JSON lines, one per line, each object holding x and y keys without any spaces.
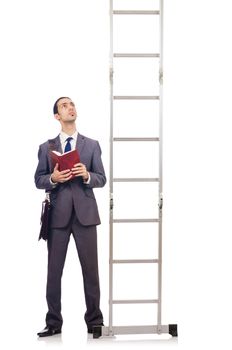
{"x":68,"y":144}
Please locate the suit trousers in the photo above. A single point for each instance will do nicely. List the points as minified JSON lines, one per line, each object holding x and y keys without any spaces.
{"x":86,"y":243}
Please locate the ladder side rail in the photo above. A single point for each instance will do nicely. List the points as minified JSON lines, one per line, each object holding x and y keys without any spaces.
{"x":159,"y":310}
{"x":111,"y":179}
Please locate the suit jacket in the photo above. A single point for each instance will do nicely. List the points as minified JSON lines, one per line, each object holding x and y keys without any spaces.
{"x":74,"y":193}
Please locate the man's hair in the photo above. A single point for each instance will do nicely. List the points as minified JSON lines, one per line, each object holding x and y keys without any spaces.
{"x":55,"y":107}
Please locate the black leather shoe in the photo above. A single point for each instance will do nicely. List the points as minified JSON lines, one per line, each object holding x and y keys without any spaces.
{"x":90,"y":328}
{"x":48,"y":331}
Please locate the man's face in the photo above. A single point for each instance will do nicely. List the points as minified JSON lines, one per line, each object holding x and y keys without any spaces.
{"x":66,"y":110}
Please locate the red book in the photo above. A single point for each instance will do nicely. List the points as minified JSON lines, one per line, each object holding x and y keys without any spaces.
{"x":65,"y":160}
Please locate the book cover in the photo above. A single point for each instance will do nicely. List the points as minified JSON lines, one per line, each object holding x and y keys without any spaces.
{"x":65,"y":160}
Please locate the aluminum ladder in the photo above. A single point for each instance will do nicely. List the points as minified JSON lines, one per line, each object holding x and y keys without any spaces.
{"x":112,"y":330}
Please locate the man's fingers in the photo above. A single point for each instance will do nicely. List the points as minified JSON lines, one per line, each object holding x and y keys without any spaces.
{"x":79,"y":167}
{"x":66,"y":176}
{"x":65,"y":172}
{"x":77,"y":171}
{"x":64,"y":179}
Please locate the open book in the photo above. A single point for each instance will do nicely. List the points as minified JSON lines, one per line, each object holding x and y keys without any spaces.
{"x":65,"y":160}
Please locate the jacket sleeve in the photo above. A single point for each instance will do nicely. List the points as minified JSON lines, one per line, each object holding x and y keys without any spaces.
{"x":42,"y":173}
{"x":97,"y":173}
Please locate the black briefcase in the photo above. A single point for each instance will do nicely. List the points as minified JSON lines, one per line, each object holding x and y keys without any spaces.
{"x":44,"y":219}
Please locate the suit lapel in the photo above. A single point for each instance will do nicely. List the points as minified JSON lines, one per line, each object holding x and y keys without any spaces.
{"x":80,"y":143}
{"x":55,"y":144}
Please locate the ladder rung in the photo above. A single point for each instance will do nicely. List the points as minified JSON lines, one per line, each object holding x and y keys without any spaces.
{"x":136,"y":261}
{"x":134,"y":220}
{"x":136,"y":301}
{"x":136,"y":97}
{"x":136,"y":55}
{"x":136,"y":139}
{"x":135,"y":179}
{"x":135,"y":12}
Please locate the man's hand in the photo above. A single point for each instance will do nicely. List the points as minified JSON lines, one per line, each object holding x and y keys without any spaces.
{"x":61,"y":176}
{"x":80,"y":170}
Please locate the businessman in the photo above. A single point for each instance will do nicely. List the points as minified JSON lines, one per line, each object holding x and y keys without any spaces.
{"x":73,"y":211}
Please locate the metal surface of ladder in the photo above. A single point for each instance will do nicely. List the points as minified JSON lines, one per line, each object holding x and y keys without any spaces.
{"x":112,"y":330}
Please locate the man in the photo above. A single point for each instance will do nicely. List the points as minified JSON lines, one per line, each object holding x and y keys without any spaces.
{"x":73,"y":210}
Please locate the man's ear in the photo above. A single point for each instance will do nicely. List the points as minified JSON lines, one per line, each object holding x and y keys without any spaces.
{"x":56,"y":116}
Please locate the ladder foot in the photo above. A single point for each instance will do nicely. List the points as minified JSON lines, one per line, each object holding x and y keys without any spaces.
{"x":173,"y":330}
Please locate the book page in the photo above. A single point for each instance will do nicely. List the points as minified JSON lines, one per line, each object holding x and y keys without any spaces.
{"x":57,"y":153}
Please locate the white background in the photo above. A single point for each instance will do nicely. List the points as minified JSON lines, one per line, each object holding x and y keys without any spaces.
{"x":55,"y":48}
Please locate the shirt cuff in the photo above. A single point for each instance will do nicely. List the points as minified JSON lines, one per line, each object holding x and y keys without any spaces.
{"x":88,"y":181}
{"x":51,"y":182}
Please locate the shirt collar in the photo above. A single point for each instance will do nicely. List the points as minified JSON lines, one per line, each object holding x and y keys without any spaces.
{"x":64,"y":136}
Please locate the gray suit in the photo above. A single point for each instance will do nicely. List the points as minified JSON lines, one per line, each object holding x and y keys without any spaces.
{"x":74,"y":210}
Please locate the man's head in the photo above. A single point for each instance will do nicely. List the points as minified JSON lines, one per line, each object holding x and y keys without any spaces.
{"x":64,"y":110}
